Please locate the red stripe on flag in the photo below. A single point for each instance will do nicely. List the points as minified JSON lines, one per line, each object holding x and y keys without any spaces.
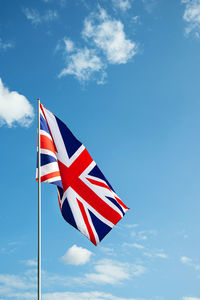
{"x":98,"y":183}
{"x":46,"y":143}
{"x":41,"y":107}
{"x":71,"y":173}
{"x":49,"y":176}
{"x":59,"y":200}
{"x":121,"y":203}
{"x":102,"y":184}
{"x":70,"y":177}
{"x":96,"y":202}
{"x":85,"y":218}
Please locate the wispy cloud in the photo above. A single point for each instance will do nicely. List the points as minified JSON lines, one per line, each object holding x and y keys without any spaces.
{"x":183,"y":234}
{"x":105,"y":43}
{"x":133,"y":245}
{"x":69,"y":45}
{"x":190,"y":298}
{"x":30,"y":262}
{"x":156,"y":254}
{"x":108,"y":271}
{"x":24,"y":287}
{"x":59,"y":2}
{"x":107,"y":250}
{"x":130,"y":226}
{"x":105,"y":271}
{"x":11,"y":285}
{"x":83,"y":296}
{"x":6,"y":45}
{"x":14,"y":108}
{"x":76,"y":256}
{"x":122,"y":4}
{"x":189,"y":262}
{"x":35,"y":17}
{"x":149,"y":5}
{"x":143,"y":235}
{"x":84,"y":64}
{"x":192,"y":17}
{"x":136,"y":19}
{"x":141,"y":242}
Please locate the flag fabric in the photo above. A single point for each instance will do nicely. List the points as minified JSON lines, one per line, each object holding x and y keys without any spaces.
{"x":87,"y":200}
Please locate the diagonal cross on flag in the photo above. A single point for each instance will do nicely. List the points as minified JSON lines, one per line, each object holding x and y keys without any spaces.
{"x":87,"y":200}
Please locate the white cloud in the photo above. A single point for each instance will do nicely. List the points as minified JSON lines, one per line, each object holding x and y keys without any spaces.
{"x":138,"y":270}
{"x":109,"y":271}
{"x":84,"y":64}
{"x":24,"y":287}
{"x":76,"y":256}
{"x":11,"y":284}
{"x":32,"y":15}
{"x":5,"y":45}
{"x":191,"y":298}
{"x":144,"y":234}
{"x":31,"y":263}
{"x":69,"y":45}
{"x":50,"y":15}
{"x":36,"y":17}
{"x":136,"y":19}
{"x":149,"y":5}
{"x":133,"y":245}
{"x":106,"y":44}
{"x":107,"y":250}
{"x":189,"y":262}
{"x":192,"y":17}
{"x":60,"y":2}
{"x":83,"y":296}
{"x":108,"y":35}
{"x":112,"y":272}
{"x":122,"y":4}
{"x":161,"y":255}
{"x":12,"y":281}
{"x":94,"y":295}
{"x":185,"y":260}
{"x":155,"y":254}
{"x":14,"y":108}
{"x":130,"y":226}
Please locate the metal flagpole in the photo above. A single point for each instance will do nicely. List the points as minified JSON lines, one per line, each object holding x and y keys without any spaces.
{"x":39,"y":208}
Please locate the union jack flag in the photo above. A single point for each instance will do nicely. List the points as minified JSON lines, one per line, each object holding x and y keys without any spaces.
{"x":87,"y":200}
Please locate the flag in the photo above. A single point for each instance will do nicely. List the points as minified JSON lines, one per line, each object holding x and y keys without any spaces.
{"x":87,"y":200}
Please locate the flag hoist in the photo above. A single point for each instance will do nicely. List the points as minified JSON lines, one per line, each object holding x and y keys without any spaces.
{"x":39,"y":205}
{"x":87,"y":200}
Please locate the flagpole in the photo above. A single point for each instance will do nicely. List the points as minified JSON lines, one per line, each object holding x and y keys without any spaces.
{"x":39,"y":208}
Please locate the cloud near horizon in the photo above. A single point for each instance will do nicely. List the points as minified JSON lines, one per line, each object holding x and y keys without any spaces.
{"x":14,"y":108}
{"x":24,"y":287}
{"x":190,"y":298}
{"x":83,"y":296}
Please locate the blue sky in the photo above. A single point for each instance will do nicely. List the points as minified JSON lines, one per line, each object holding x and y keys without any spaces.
{"x":124,"y":76}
